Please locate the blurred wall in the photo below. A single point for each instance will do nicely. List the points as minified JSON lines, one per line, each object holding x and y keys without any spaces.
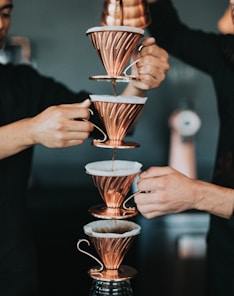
{"x":62,"y":50}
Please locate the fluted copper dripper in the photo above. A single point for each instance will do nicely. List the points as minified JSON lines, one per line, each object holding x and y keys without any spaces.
{"x":112,"y":240}
{"x":113,"y":190}
{"x":118,"y":114}
{"x":113,"y":180}
{"x":114,"y":45}
{"x":126,"y":13}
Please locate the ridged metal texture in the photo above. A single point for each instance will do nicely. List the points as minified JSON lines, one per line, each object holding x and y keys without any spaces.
{"x":126,"y":13}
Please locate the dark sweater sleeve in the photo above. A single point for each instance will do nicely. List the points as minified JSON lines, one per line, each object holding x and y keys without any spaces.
{"x":32,"y":93}
{"x":40,"y":91}
{"x":194,"y":47}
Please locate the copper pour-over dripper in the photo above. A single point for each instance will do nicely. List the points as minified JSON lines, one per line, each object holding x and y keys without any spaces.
{"x":118,"y":114}
{"x":126,"y":13}
{"x":114,"y":45}
{"x":113,"y":180}
{"x":112,"y":240}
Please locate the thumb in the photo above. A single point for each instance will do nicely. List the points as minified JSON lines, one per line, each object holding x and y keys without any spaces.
{"x":85,"y":104}
{"x":147,"y":41}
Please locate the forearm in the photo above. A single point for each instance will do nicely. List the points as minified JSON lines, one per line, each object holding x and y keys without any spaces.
{"x":15,"y":137}
{"x":131,"y":90}
{"x":214,"y":199}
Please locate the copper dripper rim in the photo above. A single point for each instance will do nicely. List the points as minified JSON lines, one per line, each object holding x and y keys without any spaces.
{"x":91,"y":229}
{"x":115,"y":169}
{"x":115,"y":28}
{"x":118,"y":99}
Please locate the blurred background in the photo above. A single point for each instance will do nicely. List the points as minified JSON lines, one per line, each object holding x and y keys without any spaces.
{"x":61,"y":192}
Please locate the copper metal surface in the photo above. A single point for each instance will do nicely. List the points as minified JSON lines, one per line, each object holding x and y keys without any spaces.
{"x":117,"y":119}
{"x":103,"y":212}
{"x":112,"y":240}
{"x":126,"y":13}
{"x":112,"y":250}
{"x":123,"y":273}
{"x":114,"y":144}
{"x":113,"y":189}
{"x":114,"y":45}
{"x":109,"y":78}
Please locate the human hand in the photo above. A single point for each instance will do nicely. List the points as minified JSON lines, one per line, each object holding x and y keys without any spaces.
{"x":62,"y":126}
{"x":166,"y":191}
{"x":152,"y":66}
{"x":232,"y":10}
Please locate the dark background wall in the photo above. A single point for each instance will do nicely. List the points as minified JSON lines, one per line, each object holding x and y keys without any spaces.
{"x":62,"y":50}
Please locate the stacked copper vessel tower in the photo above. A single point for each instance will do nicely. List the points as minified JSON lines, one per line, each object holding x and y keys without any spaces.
{"x":112,"y":233}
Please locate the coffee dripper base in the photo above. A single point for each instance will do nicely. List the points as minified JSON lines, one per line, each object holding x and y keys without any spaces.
{"x":110,"y":78}
{"x":115,"y":144}
{"x":124,"y":272}
{"x":103,"y":212}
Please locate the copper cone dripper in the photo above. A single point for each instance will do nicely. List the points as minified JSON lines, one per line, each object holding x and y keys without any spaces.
{"x":113,"y":181}
{"x":126,"y":13}
{"x":114,"y":45}
{"x":112,"y":240}
{"x":118,"y":114}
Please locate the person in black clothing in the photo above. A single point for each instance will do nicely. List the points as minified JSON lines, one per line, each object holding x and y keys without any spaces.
{"x":35,"y":109}
{"x":169,"y":191}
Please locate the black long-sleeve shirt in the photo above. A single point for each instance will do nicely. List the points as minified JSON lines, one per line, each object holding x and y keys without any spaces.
{"x":23,"y":93}
{"x":205,"y":51}
{"x":212,"y":54}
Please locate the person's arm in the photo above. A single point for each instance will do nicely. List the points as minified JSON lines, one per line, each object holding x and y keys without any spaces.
{"x":167,"y":191}
{"x":55,"y":127}
{"x":182,"y":41}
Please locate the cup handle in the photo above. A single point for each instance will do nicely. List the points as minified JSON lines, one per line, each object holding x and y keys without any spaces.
{"x":99,"y":129}
{"x":90,"y":255}
{"x":131,"y":196}
{"x":127,"y":199}
{"x":130,"y":66}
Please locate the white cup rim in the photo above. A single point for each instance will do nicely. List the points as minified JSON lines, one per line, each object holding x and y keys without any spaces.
{"x":89,"y":228}
{"x":118,"y":99}
{"x":115,"y":28}
{"x":115,"y":169}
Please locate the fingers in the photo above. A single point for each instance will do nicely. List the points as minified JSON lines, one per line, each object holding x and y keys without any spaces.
{"x":156,"y":172}
{"x":152,"y":64}
{"x":63,"y":125}
{"x":85,"y":104}
{"x":148,"y":205}
{"x":76,"y":110}
{"x":148,"y":41}
{"x":149,"y":47}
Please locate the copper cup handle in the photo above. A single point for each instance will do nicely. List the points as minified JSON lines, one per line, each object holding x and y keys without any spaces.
{"x":99,"y":129}
{"x":131,"y":196}
{"x":133,"y":63}
{"x":130,"y":66}
{"x":127,"y":199}
{"x":88,"y":254}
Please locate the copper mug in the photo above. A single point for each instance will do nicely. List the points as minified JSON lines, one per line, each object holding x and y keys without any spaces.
{"x":114,"y":46}
{"x":113,"y":179}
{"x":118,"y":114}
{"x":112,"y":239}
{"x":126,"y":13}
